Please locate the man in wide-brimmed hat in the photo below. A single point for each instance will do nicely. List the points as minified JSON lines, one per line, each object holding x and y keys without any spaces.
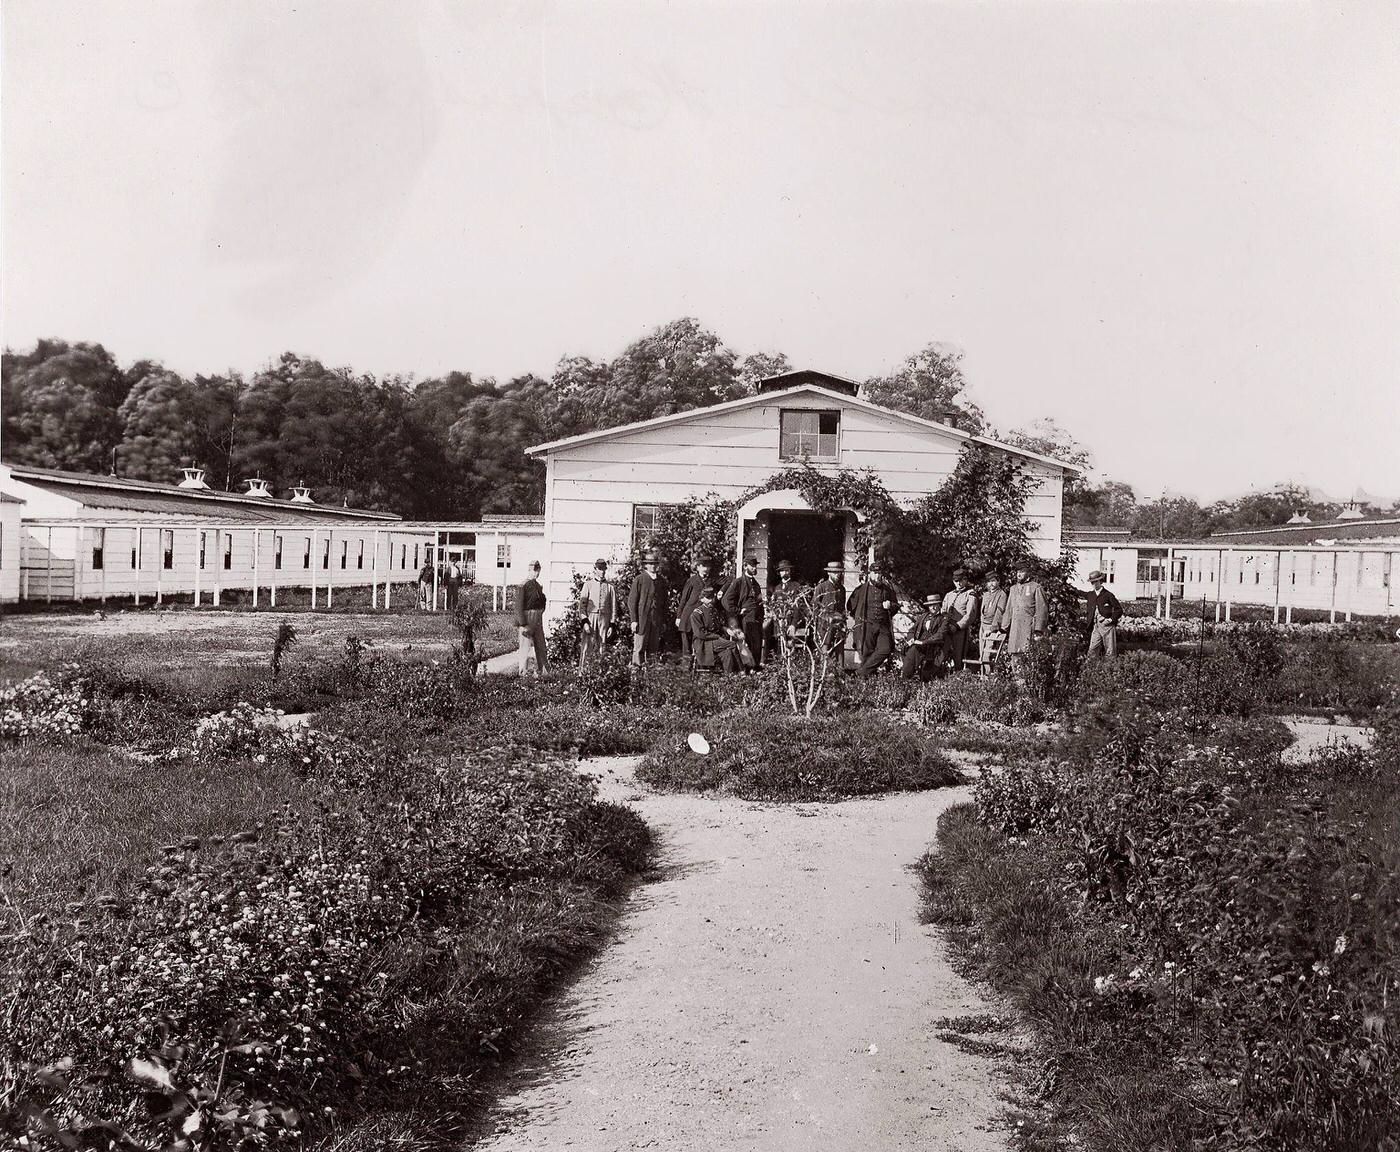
{"x":1104,"y":614}
{"x":927,"y":654}
{"x":646,"y":605}
{"x":829,"y":610}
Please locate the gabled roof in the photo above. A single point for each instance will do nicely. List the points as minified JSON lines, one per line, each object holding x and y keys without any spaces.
{"x":119,"y":493}
{"x":1329,"y":530}
{"x":809,"y":376}
{"x":765,"y":398}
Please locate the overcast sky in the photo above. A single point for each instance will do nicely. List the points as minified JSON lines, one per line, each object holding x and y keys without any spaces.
{"x":1173,"y":227}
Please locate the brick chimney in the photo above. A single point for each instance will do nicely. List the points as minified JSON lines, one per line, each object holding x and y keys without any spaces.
{"x":194,"y":478}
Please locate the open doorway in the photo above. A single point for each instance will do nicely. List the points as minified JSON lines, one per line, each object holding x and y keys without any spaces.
{"x":811,"y":540}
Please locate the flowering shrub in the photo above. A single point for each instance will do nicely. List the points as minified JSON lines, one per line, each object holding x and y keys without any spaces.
{"x":1252,"y":914}
{"x":244,"y":730}
{"x":297,"y":961}
{"x":41,"y":707}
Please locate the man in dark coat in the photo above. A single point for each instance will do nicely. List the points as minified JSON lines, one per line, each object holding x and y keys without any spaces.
{"x":690,"y":600}
{"x":829,"y":610}
{"x":646,"y":605}
{"x":1104,"y":614}
{"x":743,"y":600}
{"x":870,"y":607}
{"x":709,"y":636}
{"x":787,"y":611}
{"x":529,"y":621}
{"x":927,"y":654}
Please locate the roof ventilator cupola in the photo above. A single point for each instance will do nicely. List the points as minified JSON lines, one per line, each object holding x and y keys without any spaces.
{"x":301,"y":494}
{"x":194,"y":478}
{"x":258,"y":487}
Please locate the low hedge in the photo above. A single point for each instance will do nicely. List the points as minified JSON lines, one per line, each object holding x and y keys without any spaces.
{"x":768,"y":757}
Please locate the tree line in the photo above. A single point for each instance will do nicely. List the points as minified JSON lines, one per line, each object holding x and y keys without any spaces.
{"x":451,"y":447}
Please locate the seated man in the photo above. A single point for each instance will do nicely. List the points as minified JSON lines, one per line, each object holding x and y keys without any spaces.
{"x":927,"y":654}
{"x":710,"y":638}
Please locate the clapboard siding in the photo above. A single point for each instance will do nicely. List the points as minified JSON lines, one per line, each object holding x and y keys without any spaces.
{"x":592,"y":487}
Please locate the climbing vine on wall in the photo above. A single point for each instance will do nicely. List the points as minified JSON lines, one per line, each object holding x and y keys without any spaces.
{"x":975,"y":518}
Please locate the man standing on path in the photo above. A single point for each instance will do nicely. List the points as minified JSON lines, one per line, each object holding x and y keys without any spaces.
{"x":829,"y":611}
{"x":646,"y":605}
{"x":455,"y":577}
{"x":529,"y":621}
{"x":743,"y":600}
{"x":597,"y":604}
{"x":1026,"y":614}
{"x":1104,"y":614}
{"x":690,"y":600}
{"x":425,"y":585}
{"x":870,"y":607}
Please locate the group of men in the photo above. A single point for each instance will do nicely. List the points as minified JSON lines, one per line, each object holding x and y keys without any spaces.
{"x":451,"y":576}
{"x":735,"y":625}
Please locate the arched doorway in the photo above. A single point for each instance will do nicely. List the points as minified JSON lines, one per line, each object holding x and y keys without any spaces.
{"x":782,"y":525}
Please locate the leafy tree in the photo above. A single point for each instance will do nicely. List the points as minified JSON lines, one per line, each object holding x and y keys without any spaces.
{"x":1171,"y":518}
{"x":488,"y":443}
{"x":929,"y":384}
{"x":1046,"y":437}
{"x":169,"y":422}
{"x":671,"y":369}
{"x":60,"y":406}
{"x":1108,"y":505}
{"x":757,"y":366}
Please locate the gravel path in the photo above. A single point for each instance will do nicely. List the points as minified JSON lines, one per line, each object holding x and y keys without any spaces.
{"x":771,"y":989}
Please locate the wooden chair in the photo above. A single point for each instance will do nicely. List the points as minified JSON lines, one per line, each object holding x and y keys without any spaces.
{"x":986,"y":660}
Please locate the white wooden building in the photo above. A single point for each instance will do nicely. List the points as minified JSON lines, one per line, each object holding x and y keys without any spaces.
{"x":603,"y":489}
{"x":68,"y":536}
{"x":1346,"y":568}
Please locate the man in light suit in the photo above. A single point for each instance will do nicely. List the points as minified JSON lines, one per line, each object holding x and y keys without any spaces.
{"x":597,"y":603}
{"x":963,"y":602}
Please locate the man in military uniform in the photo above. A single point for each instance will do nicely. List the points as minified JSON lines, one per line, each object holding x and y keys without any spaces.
{"x":646,"y":605}
{"x":709,"y":636}
{"x":963,"y":602}
{"x":787,"y":612}
{"x":871,"y":607}
{"x":743,"y":600}
{"x":930,"y":642}
{"x":1027,"y":614}
{"x":993,"y":608}
{"x":690,"y":600}
{"x":597,"y":603}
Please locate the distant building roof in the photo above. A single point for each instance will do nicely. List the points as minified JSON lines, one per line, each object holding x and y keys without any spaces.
{"x":1319,"y":532}
{"x":144,"y":496}
{"x":808,"y":376}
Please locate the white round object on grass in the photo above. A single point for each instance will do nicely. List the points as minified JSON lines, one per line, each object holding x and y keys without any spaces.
{"x":698,"y":744}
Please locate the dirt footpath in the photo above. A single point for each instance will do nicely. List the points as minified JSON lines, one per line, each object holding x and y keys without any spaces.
{"x":772,"y":989}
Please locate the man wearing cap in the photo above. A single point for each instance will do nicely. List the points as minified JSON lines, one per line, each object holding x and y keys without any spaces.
{"x":1104,"y":614}
{"x":1026,"y":614}
{"x":828,"y":610}
{"x":646,"y":605}
{"x":963,"y":602}
{"x":597,"y":603}
{"x":870,"y":607}
{"x":710,"y":641}
{"x":690,"y":600}
{"x":743,"y":600}
{"x":927,"y":654}
{"x":993,"y":607}
{"x":786,"y":611}
{"x":529,"y":621}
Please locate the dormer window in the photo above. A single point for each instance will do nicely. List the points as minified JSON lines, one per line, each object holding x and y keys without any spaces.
{"x":811,"y":433}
